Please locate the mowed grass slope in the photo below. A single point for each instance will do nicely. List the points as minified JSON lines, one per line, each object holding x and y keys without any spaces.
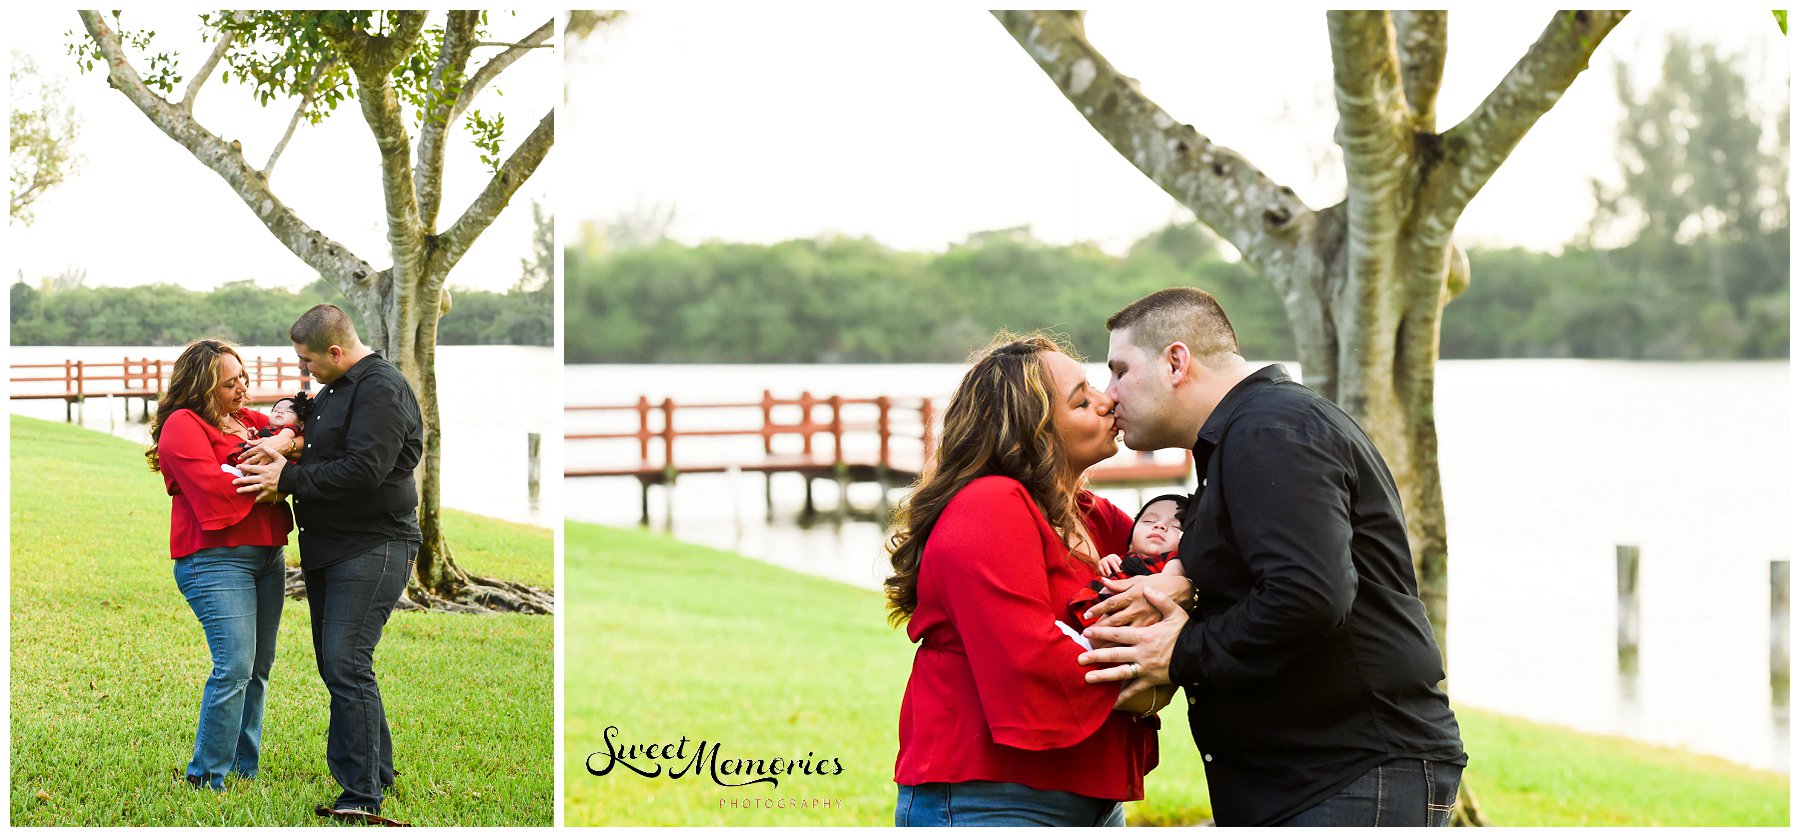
{"x":108,"y":663}
{"x":669,"y":640}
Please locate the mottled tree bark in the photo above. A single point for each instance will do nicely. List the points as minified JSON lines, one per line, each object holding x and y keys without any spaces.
{"x":1364,"y":282}
{"x":401,"y":305}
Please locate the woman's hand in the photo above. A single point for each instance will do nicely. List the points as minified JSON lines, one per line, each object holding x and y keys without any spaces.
{"x":1127,"y":606}
{"x":266,"y":451}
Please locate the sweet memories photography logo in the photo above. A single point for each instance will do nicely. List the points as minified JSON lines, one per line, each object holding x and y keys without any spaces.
{"x":686,"y":758}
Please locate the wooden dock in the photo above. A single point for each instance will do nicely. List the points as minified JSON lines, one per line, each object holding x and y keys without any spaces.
{"x":75,"y":381}
{"x":883,"y":441}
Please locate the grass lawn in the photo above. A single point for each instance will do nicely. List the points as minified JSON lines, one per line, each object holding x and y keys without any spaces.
{"x":672,"y":640}
{"x":108,"y":663}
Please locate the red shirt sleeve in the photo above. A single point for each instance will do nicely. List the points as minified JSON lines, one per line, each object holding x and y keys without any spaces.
{"x":993,"y":552}
{"x":185,"y":451}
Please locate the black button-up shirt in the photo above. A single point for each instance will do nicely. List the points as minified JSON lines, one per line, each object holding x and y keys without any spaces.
{"x":353,"y":488}
{"x":1309,"y":658}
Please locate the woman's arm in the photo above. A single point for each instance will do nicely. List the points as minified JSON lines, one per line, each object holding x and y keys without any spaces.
{"x":1147,"y":702}
{"x":185,"y":453}
{"x":986,"y":561}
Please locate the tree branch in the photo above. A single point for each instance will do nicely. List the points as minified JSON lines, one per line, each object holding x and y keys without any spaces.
{"x":1371,"y":106}
{"x":268,"y":169}
{"x":499,"y":191}
{"x":226,"y":160}
{"x":444,"y":87}
{"x":1264,"y":220}
{"x":380,"y":105}
{"x":497,"y":65}
{"x":226,"y":36}
{"x":1475,"y":148}
{"x":375,"y":55}
{"x":1420,"y":38}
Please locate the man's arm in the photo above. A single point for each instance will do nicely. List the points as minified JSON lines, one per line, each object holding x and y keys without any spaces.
{"x":1288,"y":495}
{"x":373,"y":439}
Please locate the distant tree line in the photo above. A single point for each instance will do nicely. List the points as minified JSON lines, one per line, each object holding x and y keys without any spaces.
{"x":842,"y":300}
{"x":61,"y":313}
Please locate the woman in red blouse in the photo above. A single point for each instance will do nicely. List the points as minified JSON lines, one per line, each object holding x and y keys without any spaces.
{"x":998,"y":725}
{"x":227,"y":550}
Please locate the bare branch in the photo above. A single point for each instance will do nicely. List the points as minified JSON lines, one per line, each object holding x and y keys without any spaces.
{"x":519,"y":45}
{"x":212,"y":62}
{"x":499,"y":191}
{"x":226,"y":160}
{"x":268,"y":169}
{"x":1264,"y":220}
{"x":497,"y":65}
{"x":1371,"y":107}
{"x":445,"y":83}
{"x":1475,"y":148}
{"x":1420,"y":37}
{"x":380,"y":105}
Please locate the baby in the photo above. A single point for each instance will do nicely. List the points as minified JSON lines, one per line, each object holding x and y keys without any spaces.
{"x":284,"y":415}
{"x":1155,"y":541}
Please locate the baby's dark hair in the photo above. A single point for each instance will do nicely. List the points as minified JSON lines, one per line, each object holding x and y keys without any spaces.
{"x":1180,"y":500}
{"x":302,"y":404}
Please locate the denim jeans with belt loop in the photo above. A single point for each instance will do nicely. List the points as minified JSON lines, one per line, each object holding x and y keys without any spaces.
{"x":1000,"y":804}
{"x":350,"y":602}
{"x":1403,"y":792}
{"x":236,"y":593}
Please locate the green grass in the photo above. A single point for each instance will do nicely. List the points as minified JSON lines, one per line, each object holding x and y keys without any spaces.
{"x":672,"y":640}
{"x":108,"y":663}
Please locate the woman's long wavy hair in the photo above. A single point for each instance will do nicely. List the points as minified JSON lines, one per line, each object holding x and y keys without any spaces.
{"x":191,"y":387}
{"x":1000,"y":421}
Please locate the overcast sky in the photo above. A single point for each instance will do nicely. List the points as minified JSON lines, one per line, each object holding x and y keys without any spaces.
{"x":142,"y":210}
{"x":918,"y":126}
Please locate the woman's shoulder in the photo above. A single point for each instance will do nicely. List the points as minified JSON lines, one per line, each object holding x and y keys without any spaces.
{"x":992,"y":488}
{"x":185,"y":415}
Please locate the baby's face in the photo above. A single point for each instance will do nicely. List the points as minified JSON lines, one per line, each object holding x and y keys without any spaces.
{"x":1158,"y":529}
{"x":282,"y":415}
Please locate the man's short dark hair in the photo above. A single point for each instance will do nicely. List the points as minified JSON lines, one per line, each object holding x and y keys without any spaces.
{"x":1186,"y":315}
{"x":324,"y":326}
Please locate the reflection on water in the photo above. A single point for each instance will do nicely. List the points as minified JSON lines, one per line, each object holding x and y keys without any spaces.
{"x":1548,"y":466}
{"x":491,"y":399}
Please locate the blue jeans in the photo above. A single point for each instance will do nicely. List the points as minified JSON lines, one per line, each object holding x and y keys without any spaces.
{"x":236,"y":593}
{"x":350,"y":602}
{"x":1000,"y":803}
{"x":1404,"y":792}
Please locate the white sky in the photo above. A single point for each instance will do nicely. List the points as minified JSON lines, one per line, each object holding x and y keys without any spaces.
{"x":919,"y":127}
{"x":141,"y":210}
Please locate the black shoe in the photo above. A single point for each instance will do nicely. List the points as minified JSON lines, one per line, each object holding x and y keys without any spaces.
{"x":192,"y":780}
{"x":358,"y":816}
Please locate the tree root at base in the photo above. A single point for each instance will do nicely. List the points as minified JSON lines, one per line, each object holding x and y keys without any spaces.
{"x":475,"y":595}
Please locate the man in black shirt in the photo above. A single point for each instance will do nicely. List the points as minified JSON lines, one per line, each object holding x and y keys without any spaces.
{"x":1310,"y":666}
{"x":357,"y":508}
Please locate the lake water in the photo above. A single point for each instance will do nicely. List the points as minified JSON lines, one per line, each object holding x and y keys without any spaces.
{"x":490,"y":398}
{"x":1547,"y":466}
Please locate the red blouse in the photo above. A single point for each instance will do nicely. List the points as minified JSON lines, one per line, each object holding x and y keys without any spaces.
{"x":996,"y":694}
{"x":206,"y":510}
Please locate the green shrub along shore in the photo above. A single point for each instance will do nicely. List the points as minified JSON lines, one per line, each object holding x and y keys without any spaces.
{"x":108,"y":663}
{"x":671,"y":640}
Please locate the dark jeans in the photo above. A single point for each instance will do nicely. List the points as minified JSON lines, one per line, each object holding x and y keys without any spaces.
{"x":1405,"y":792}
{"x":350,"y":602}
{"x":235,"y":591}
{"x":1001,"y":804}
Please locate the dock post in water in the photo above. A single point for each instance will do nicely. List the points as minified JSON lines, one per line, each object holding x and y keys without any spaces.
{"x":1778,"y":629}
{"x":1628,"y":608}
{"x":533,"y":468}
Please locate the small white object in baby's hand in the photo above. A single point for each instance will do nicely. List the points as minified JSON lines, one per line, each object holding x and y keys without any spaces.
{"x":1075,"y":635}
{"x":230,"y":470}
